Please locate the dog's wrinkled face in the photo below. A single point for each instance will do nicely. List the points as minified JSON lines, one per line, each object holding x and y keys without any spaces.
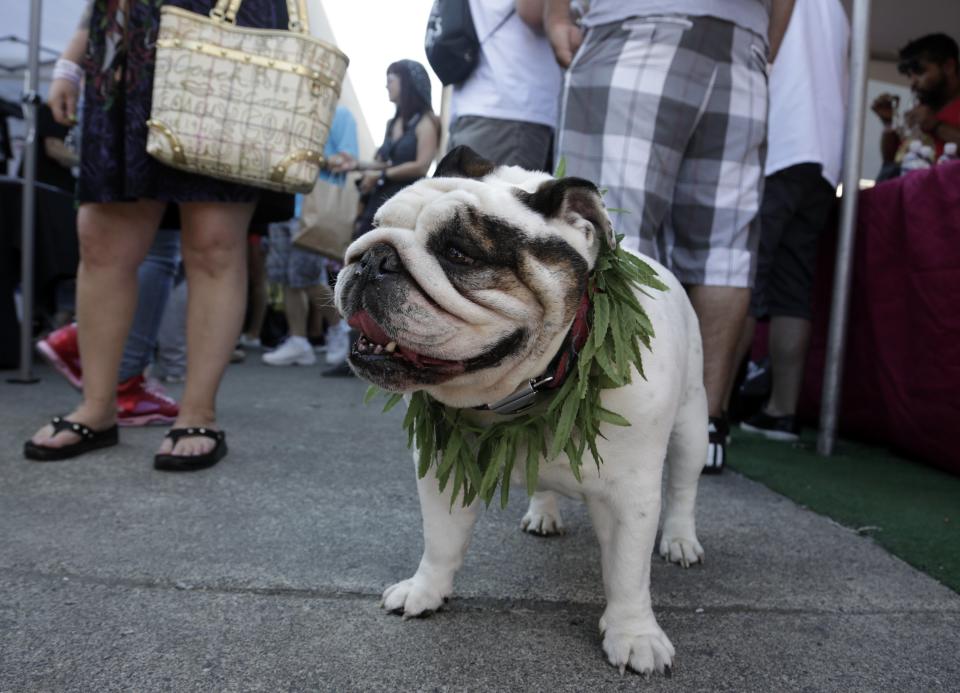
{"x":470,"y":281}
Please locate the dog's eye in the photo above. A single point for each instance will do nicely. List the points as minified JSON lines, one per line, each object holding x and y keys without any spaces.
{"x":457,"y":256}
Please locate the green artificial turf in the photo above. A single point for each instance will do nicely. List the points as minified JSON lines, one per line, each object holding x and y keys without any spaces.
{"x":910,"y":509}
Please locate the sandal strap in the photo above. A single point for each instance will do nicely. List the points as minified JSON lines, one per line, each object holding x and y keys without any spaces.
{"x":61,"y":424}
{"x":175,"y":434}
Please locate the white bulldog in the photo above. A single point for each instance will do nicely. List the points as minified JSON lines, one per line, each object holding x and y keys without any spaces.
{"x":467,"y":289}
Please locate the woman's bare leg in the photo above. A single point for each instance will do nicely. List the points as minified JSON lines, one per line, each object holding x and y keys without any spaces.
{"x":214,"y":247}
{"x":114,"y":238}
{"x":258,"y":288}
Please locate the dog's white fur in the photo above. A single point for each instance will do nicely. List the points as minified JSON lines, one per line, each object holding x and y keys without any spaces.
{"x":667,"y":413}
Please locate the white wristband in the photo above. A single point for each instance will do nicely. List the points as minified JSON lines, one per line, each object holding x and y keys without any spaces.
{"x":68,"y":70}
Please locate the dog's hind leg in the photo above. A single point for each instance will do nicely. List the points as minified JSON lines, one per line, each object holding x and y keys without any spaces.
{"x":446,"y":536}
{"x":685,"y":455}
{"x":543,"y":515}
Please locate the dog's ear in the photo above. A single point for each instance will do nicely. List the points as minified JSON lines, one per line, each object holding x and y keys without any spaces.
{"x":463,"y":162}
{"x":575,"y":200}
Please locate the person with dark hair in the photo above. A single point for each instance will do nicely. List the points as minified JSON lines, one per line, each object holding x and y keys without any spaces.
{"x":932,"y":65}
{"x":409,"y":146}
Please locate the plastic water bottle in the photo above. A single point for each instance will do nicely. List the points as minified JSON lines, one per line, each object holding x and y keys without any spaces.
{"x":949,"y":153}
{"x":914,"y":159}
{"x":926,"y":151}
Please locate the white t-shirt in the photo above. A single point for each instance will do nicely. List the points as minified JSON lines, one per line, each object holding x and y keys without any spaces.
{"x":517,"y":77}
{"x":808,"y":90}
{"x":749,"y":14}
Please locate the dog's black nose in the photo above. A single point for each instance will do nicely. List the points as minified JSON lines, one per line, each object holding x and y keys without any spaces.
{"x":380,"y":259}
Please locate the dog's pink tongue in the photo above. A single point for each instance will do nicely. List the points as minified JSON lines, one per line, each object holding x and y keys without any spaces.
{"x":362,"y":321}
{"x":411,"y":356}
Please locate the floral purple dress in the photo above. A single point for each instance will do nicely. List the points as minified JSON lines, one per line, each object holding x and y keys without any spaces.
{"x":114,"y":164}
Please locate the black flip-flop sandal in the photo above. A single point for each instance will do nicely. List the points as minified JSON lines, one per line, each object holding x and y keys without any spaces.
{"x":89,"y":440}
{"x":188,"y":463}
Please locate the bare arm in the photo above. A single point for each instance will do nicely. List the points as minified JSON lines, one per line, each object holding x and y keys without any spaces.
{"x":428,"y":140}
{"x":343,"y":162}
{"x":63,"y":95}
{"x":78,"y":45}
{"x":565,"y":37}
{"x":779,"y":20}
{"x":889,"y":144}
{"x":531,"y":12}
{"x":84,"y":22}
{"x":60,"y":152}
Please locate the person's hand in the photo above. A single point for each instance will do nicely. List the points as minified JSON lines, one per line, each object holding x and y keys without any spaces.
{"x":62,"y":100}
{"x":342,"y":162}
{"x":565,"y":37}
{"x":885,"y":106}
{"x":923,"y":117}
{"x":369,"y":182}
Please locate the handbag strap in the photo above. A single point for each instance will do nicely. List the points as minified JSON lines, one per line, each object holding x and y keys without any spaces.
{"x":226,"y":11}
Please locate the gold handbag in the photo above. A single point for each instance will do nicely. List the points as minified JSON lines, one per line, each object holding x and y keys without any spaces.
{"x":252,"y":106}
{"x":326,"y":219}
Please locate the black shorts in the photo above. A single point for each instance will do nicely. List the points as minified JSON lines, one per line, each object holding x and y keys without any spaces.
{"x":797,"y":205}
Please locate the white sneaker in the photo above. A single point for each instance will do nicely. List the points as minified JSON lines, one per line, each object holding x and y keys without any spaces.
{"x":338,"y":343}
{"x":248,"y":342}
{"x":295,"y":351}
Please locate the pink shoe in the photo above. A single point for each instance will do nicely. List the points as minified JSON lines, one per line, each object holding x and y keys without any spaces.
{"x":140,"y":404}
{"x":60,"y":350}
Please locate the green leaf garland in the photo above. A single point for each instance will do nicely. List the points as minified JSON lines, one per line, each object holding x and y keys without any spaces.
{"x":479,"y":459}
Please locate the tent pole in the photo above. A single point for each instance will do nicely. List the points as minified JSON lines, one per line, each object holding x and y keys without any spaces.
{"x":853,"y":150}
{"x":28,"y":207}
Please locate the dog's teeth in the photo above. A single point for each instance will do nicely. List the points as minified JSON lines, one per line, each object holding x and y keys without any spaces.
{"x":391,"y":347}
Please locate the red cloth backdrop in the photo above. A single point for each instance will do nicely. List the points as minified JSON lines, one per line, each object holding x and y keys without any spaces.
{"x":901,"y":375}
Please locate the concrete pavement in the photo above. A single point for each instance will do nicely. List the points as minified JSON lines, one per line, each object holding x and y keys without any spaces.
{"x":264,"y":573}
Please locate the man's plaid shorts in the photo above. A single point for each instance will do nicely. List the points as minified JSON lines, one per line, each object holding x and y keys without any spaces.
{"x":669,"y":114}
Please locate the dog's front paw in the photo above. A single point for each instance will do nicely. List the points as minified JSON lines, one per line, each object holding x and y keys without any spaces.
{"x":681,"y":547}
{"x":413,"y":598}
{"x":642,"y":647}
